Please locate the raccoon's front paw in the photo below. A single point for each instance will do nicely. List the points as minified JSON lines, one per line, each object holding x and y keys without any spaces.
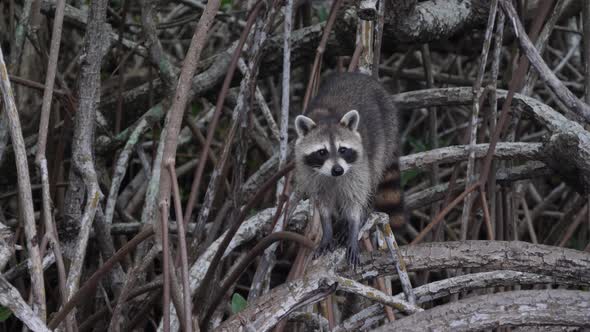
{"x":352,"y":255}
{"x":324,"y":247}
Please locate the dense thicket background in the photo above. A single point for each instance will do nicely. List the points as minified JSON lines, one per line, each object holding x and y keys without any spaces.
{"x":119,"y":119}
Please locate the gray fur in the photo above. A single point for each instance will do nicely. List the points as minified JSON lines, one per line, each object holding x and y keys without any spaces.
{"x":372,"y":133}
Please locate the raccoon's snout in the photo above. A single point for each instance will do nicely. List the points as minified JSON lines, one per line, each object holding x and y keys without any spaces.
{"x":337,"y":170}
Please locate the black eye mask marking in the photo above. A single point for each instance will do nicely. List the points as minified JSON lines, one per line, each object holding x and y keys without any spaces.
{"x":317,"y":158}
{"x":349,"y":155}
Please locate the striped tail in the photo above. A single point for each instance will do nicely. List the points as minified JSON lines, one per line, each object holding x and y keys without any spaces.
{"x":390,"y":196}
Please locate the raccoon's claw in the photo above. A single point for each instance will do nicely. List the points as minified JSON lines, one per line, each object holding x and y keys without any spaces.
{"x":323,"y":248}
{"x":352,"y":256}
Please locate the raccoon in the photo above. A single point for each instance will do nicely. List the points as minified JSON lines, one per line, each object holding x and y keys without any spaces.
{"x":347,"y":140}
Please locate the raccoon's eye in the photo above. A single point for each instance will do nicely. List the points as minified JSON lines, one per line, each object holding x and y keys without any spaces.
{"x":322,"y":152}
{"x":342,"y":150}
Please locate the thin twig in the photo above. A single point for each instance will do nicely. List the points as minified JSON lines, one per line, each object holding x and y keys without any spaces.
{"x":486,"y":214}
{"x":239,"y":114}
{"x":380,"y":281}
{"x":542,"y":42}
{"x":569,"y":232}
{"x":158,"y":57}
{"x":266,"y":113}
{"x":127,"y":292}
{"x":121,"y":168}
{"x":470,"y":176}
{"x":400,"y":265}
{"x":261,"y":277}
{"x":315,"y":69}
{"x":51,"y":233}
{"x":262,"y":274}
{"x":565,"y":95}
{"x":496,"y":59}
{"x":10,"y":298}
{"x":198,"y":175}
{"x":258,"y":37}
{"x":586,"y":17}
{"x":356,"y":55}
{"x":433,"y":126}
{"x":123,"y":59}
{"x":235,"y":225}
{"x":529,"y":220}
{"x":91,"y":284}
{"x":50,"y":79}
{"x":355,"y":287}
{"x":586,"y":53}
{"x":174,"y":116}
{"x":41,"y":159}
{"x":35,"y":85}
{"x":24,"y":192}
{"x":182,"y":247}
{"x":288,"y":13}
{"x":20,"y":34}
{"x":378,"y":37}
{"x":257,"y":250}
{"x":165,"y":263}
{"x":439,"y":217}
{"x":514,"y":85}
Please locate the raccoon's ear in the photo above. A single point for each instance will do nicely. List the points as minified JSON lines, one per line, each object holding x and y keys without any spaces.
{"x":350,"y":120}
{"x":303,"y":125}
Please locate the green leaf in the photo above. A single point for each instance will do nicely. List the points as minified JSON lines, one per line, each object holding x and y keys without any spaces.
{"x":5,"y":313}
{"x":226,"y":4}
{"x":417,"y":145}
{"x":323,"y":14}
{"x":238,"y":303}
{"x":408,"y":176}
{"x":195,"y":109}
{"x":444,"y":142}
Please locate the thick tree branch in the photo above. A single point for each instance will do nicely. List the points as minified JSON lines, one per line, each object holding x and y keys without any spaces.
{"x":563,"y":264}
{"x":569,"y":140}
{"x":570,"y":264}
{"x":442,"y":288}
{"x":518,"y":308}
{"x":83,"y":179}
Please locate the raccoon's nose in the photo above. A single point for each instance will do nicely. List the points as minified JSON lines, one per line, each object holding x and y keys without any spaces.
{"x":337,"y":170}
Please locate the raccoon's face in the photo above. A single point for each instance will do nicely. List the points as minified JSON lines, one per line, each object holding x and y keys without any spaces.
{"x":330,"y":149}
